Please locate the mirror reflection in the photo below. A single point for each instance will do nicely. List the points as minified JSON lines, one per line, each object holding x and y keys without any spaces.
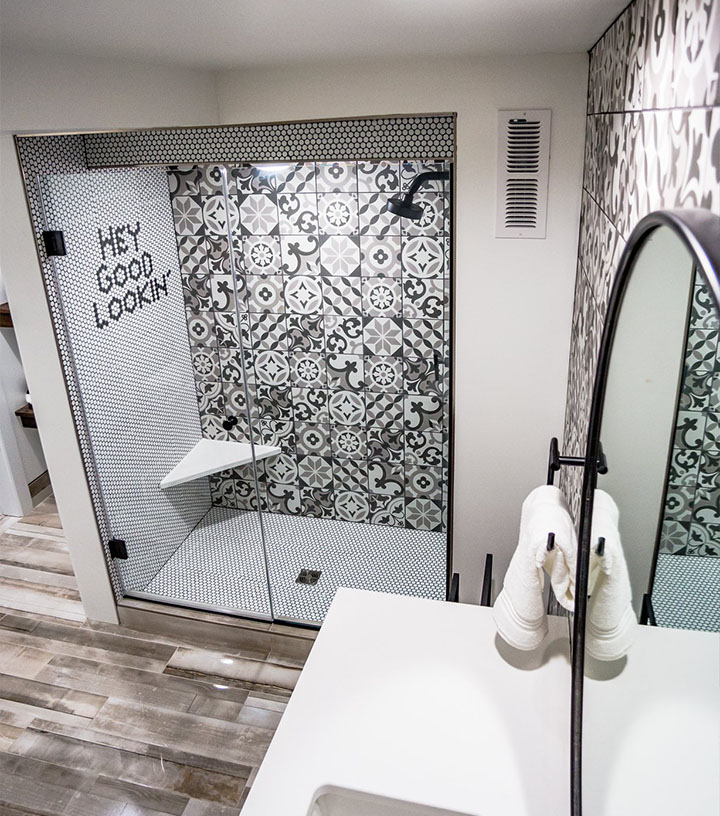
{"x":661,"y":436}
{"x":650,"y":708}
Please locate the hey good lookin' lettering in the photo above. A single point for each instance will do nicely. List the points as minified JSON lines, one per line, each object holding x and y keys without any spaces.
{"x":126,"y":274}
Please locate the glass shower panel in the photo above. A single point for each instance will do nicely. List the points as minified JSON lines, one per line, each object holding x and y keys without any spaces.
{"x":347,"y":317}
{"x":152,"y":375}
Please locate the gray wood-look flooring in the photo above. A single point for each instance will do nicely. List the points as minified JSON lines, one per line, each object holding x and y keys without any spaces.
{"x":101,"y":720}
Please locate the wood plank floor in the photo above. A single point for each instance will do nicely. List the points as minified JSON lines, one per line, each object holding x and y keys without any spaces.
{"x":101,"y":720}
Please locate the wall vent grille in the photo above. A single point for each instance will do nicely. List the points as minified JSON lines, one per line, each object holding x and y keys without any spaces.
{"x":522,"y":170}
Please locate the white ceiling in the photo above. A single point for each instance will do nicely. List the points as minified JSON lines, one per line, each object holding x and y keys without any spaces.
{"x":219,"y":34}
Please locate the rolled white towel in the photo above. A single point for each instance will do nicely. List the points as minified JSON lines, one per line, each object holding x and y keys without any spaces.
{"x":611,"y":620}
{"x":519,"y":610}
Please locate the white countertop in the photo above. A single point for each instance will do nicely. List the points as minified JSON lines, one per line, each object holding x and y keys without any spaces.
{"x":651,"y":741}
{"x":415,"y":700}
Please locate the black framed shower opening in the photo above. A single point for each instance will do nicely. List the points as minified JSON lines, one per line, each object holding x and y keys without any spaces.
{"x":364,"y":306}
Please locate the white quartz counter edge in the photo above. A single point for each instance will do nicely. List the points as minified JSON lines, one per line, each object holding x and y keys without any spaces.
{"x":415,"y":700}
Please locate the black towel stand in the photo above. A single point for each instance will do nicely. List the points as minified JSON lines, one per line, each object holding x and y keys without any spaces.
{"x":555,"y":462}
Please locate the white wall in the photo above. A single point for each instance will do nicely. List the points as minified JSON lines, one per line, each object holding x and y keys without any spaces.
{"x":642,"y":395}
{"x":41,"y":92}
{"x":513,"y":297}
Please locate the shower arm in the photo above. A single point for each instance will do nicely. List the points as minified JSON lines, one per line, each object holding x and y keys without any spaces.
{"x":431,"y":175}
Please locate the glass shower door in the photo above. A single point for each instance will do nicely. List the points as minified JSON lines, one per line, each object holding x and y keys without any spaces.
{"x":133,"y":298}
{"x":347,"y":316}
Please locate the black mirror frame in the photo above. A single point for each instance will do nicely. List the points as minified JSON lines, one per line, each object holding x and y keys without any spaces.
{"x":699,"y":230}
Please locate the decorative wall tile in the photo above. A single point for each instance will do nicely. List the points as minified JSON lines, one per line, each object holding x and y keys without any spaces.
{"x":298,"y":214}
{"x":352,"y":506}
{"x":384,"y":409}
{"x":382,"y":297}
{"x":339,"y":255}
{"x":658,"y":68}
{"x":308,"y":370}
{"x":696,"y":80}
{"x":344,"y":334}
{"x":349,"y":441}
{"x":219,"y":216}
{"x":386,"y":443}
{"x":259,"y":214}
{"x":337,"y":213}
{"x":313,"y":438}
{"x":303,"y":294}
{"x":201,"y":328}
{"x":382,"y":335}
{"x":386,"y":478}
{"x":422,"y":257}
{"x":423,"y":514}
{"x":345,"y":371}
{"x":342,"y":296}
{"x":383,"y":374}
{"x":380,"y":255}
{"x":261,"y":254}
{"x":350,"y":474}
{"x":434,"y":218}
{"x":374,"y":218}
{"x":310,"y":405}
{"x":421,"y":480}
{"x":652,"y":131}
{"x":337,"y":177}
{"x":300,"y":255}
{"x":305,"y":332}
{"x":378,"y":176}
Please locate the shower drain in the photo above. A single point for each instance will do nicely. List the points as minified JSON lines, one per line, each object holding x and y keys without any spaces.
{"x":308,"y":576}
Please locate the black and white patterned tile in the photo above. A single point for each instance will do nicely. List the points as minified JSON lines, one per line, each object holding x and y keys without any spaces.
{"x":653,"y":127}
{"x":221,"y":563}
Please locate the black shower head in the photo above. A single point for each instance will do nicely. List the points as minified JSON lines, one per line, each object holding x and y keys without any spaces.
{"x":404,"y":206}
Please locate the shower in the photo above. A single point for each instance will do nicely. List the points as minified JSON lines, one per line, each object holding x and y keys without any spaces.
{"x":327,"y":350}
{"x":404,"y":206}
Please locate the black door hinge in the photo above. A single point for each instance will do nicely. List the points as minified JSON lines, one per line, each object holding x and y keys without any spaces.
{"x":117,"y":548}
{"x":54,"y":241}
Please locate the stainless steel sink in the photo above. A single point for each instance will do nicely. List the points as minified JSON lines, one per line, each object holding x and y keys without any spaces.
{"x":333,"y":801}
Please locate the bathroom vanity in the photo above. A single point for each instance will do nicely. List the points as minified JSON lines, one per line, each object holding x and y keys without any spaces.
{"x":415,"y":707}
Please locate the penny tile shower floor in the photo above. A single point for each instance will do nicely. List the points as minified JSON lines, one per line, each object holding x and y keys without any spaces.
{"x":685,"y":594}
{"x":221,"y":563}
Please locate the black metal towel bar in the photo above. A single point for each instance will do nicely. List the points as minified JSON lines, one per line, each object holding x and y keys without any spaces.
{"x":555,"y":462}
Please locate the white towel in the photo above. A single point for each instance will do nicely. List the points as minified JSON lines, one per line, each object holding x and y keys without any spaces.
{"x":611,"y":620}
{"x":519,"y":610}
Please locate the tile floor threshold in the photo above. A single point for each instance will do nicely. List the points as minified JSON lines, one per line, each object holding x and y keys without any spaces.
{"x":221,"y":567}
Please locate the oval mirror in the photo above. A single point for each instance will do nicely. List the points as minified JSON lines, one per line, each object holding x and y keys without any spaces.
{"x":646,"y":667}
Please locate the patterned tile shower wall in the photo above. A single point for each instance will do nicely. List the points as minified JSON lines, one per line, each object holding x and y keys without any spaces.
{"x":652,"y":142}
{"x":691,"y":520}
{"x":345,"y":331}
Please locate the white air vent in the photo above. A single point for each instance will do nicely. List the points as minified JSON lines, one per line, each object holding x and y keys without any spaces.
{"x":522,"y":173}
